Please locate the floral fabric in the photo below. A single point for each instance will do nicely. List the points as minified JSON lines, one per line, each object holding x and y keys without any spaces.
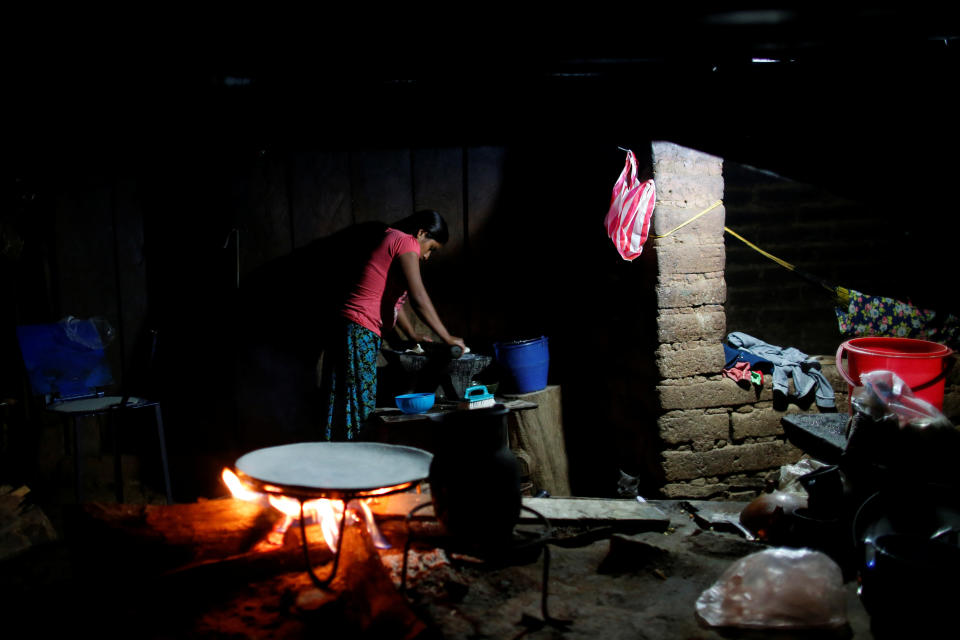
{"x":349,"y":381}
{"x":867,"y":315}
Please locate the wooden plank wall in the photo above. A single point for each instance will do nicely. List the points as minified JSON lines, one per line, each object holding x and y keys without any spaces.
{"x":149,"y":241}
{"x":291,"y":199}
{"x":153,"y":242}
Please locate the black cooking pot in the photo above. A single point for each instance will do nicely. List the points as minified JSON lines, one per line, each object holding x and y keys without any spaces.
{"x":475,"y":478}
{"x":909,"y":558}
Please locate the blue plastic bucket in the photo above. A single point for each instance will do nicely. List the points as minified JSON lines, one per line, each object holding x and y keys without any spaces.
{"x":526,"y":363}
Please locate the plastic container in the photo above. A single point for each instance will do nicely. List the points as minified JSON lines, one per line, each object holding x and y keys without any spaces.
{"x":921,"y":364}
{"x":415,"y":402}
{"x":526,"y":363}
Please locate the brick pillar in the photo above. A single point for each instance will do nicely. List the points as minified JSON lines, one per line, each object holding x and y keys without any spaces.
{"x":690,"y":285}
{"x":714,"y":443}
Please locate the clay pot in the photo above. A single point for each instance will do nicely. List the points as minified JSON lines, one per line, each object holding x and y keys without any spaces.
{"x":475,"y":478}
{"x":768,"y":515}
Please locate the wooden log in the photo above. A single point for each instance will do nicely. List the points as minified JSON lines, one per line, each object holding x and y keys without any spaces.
{"x":360,"y":601}
{"x":227,"y":534}
{"x":211,"y":527}
{"x":539,"y":433}
{"x":362,"y":597}
{"x":22,"y":525}
{"x":213,"y":577}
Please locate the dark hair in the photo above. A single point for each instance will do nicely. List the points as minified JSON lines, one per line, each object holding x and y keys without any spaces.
{"x":428,"y":220}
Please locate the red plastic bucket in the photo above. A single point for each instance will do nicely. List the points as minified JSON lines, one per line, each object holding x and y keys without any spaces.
{"x":922,"y":365}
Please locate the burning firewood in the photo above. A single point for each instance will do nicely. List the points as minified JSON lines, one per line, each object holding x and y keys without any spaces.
{"x":22,"y":525}
{"x":365,"y":596}
{"x":177,"y":538}
{"x":210,"y":563}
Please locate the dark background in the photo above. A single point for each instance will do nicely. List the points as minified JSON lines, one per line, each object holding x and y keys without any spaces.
{"x":186,"y":125}
{"x":866,"y":82}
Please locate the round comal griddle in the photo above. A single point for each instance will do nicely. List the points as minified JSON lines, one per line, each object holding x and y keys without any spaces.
{"x":334,"y":470}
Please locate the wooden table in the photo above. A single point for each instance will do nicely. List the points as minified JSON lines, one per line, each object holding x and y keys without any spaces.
{"x":391,"y":415}
{"x":392,"y":426}
{"x":535,"y":428}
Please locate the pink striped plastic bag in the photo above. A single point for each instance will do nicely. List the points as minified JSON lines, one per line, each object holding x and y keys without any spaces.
{"x":631,"y":207}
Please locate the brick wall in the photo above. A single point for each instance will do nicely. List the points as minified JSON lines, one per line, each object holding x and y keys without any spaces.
{"x":719,"y":440}
{"x":835,"y":239}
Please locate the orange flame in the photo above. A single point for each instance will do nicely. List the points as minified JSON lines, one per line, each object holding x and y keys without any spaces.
{"x":237,"y":488}
{"x":327,"y":513}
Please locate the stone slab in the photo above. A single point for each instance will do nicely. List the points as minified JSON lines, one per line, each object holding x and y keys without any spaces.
{"x":680,"y":189}
{"x":677,"y":427}
{"x":758,"y":420}
{"x":675,"y":157}
{"x":689,"y":359}
{"x":684,"y":324}
{"x":596,"y":510}
{"x":691,"y":291}
{"x":685,"y":465}
{"x":690,"y":257}
{"x":703,"y":392}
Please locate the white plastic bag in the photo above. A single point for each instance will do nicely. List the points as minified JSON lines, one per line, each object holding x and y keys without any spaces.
{"x":790,"y":475}
{"x":777,"y":588}
{"x":631,"y":207}
{"x":884,"y":393}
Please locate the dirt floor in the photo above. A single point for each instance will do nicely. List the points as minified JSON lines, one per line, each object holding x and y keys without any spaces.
{"x":642,"y":585}
{"x":601,"y":584}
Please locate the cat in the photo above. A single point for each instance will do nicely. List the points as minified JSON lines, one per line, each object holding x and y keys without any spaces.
{"x":627,"y":485}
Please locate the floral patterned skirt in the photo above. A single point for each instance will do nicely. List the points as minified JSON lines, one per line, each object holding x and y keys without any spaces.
{"x":349,"y":381}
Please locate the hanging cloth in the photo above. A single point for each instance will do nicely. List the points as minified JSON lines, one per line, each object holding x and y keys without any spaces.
{"x":631,"y":207}
{"x":788,"y":363}
{"x":866,"y":315}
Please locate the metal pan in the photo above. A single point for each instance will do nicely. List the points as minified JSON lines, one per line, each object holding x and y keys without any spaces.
{"x":334,"y":470}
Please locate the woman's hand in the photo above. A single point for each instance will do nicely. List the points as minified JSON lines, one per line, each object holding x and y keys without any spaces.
{"x":454,"y":340}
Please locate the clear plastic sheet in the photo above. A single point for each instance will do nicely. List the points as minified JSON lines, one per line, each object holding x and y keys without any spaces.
{"x":777,"y":588}
{"x":92,"y":333}
{"x":885,"y":394}
{"x":790,"y":475}
{"x":896,"y":438}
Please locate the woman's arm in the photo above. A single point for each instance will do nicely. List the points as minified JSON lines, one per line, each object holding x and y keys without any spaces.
{"x":405,"y":324}
{"x":410,"y":264}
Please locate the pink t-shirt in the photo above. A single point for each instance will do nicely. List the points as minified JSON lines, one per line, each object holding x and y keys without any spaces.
{"x":363,"y":305}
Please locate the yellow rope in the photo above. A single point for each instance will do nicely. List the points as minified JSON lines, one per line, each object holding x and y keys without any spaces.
{"x":842,"y":294}
{"x":782,"y":263}
{"x":707,"y":210}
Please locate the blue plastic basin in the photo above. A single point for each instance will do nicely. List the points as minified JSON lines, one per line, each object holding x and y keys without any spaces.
{"x":415,"y":402}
